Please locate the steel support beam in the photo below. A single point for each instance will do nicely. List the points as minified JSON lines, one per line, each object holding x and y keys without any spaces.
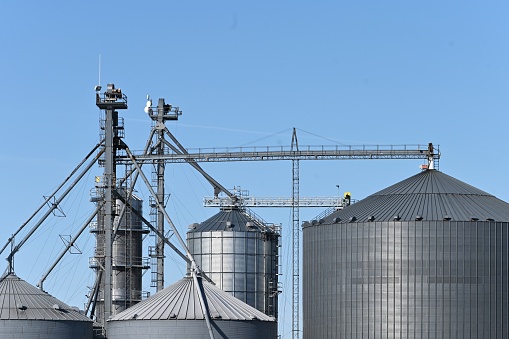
{"x":295,"y":242}
{"x":322,"y":152}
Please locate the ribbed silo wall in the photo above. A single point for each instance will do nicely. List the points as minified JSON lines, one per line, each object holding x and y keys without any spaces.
{"x":98,"y":262}
{"x":37,"y":329}
{"x":192,"y":329}
{"x":419,"y":279}
{"x":243,"y":264}
{"x":127,"y":256}
{"x":127,"y":253}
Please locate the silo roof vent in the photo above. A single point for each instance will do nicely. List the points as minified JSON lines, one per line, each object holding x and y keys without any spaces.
{"x":229,"y":220}
{"x":430,"y":194}
{"x":17,"y":295}
{"x":179,"y":302}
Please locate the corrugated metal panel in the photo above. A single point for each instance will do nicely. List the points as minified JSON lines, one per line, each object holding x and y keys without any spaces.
{"x":180,"y":301}
{"x":243,"y":264}
{"x":431,"y":263}
{"x":228,"y":220}
{"x":37,"y":329}
{"x":20,"y":300}
{"x":430,"y":195}
{"x":196,"y":329}
{"x":417,"y":279}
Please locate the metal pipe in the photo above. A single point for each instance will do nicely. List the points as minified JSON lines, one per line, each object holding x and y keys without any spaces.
{"x":162,"y":209}
{"x":51,"y":196}
{"x":69,"y":245}
{"x":161,"y":166}
{"x":53,"y":206}
{"x":153,"y":229}
{"x":193,"y":163}
{"x":133,"y":181}
{"x":109,"y":178}
{"x":201,"y":296}
{"x":194,"y":268}
{"x":162,"y":237}
{"x":92,"y":300}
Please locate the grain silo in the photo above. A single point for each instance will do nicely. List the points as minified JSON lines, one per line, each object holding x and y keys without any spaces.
{"x":240,"y":254}
{"x":176,"y":312}
{"x":29,"y":313}
{"x":424,"y":258}
{"x":127,"y":255}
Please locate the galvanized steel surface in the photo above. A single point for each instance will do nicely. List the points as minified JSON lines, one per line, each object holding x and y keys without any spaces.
{"x":241,"y":259}
{"x":127,"y":256}
{"x":429,"y":195}
{"x":127,"y":260}
{"x":425,"y":258}
{"x":180,"y":302}
{"x":419,"y":279}
{"x":230,"y":219}
{"x":191,"y":329}
{"x":21,"y":301}
{"x":43,"y":329}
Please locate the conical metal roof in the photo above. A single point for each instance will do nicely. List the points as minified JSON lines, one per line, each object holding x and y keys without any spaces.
{"x":429,"y":195}
{"x":180,"y":301}
{"x":21,"y":301}
{"x":231,"y":219}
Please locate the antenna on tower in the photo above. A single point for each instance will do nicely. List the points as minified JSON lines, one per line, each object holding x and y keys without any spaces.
{"x":99,"y":83}
{"x":98,"y":86}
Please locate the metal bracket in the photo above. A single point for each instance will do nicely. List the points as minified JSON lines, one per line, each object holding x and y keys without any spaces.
{"x":56,"y":208}
{"x":66,"y":239}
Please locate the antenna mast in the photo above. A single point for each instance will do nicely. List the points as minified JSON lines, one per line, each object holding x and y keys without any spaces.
{"x":99,"y":83}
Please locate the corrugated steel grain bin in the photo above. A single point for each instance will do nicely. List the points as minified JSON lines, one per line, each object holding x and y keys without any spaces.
{"x":175,"y":312}
{"x":425,"y":258}
{"x":29,"y":313}
{"x":240,"y":255}
{"x":127,"y":256}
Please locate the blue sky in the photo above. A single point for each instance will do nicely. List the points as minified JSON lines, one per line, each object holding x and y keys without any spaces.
{"x":364,"y":72}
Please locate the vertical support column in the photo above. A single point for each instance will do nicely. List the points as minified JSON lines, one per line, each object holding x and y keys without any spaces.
{"x":296,"y":241}
{"x":160,"y":198}
{"x":164,"y":112}
{"x":110,"y":101}
{"x":109,"y":170}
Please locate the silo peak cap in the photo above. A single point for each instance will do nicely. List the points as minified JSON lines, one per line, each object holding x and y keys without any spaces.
{"x":429,"y":195}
